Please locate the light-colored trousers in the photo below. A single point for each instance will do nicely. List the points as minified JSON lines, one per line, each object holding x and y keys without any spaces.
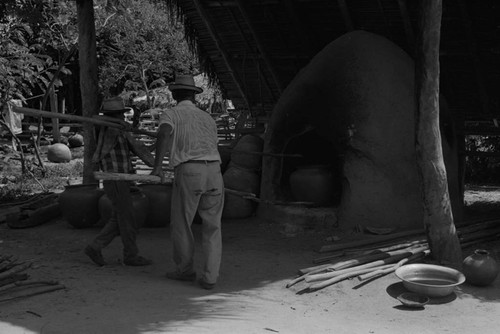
{"x":197,"y":187}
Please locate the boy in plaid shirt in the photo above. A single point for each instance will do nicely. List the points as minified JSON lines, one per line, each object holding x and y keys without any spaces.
{"x":113,"y":155}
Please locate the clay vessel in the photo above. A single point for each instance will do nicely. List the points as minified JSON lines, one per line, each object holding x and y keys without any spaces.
{"x":480,"y":268}
{"x":313,"y":183}
{"x":244,"y":152}
{"x":244,"y":180}
{"x":75,"y":140}
{"x":59,"y":153}
{"x":79,"y":204}
{"x":160,"y":199}
{"x":140,"y":204}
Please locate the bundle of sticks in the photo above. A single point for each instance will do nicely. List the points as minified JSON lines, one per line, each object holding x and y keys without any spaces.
{"x":15,"y":283}
{"x":375,"y":257}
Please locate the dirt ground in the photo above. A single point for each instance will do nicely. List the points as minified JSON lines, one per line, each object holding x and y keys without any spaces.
{"x":250,"y":296}
{"x":259,"y":259}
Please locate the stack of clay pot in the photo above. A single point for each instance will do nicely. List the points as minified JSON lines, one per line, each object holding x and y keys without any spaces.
{"x":243,"y":174}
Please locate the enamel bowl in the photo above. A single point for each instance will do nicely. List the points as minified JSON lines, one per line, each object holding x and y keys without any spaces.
{"x":429,"y":279}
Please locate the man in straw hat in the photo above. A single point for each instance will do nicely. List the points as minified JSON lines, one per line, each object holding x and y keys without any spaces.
{"x":113,"y":155}
{"x":189,"y":134}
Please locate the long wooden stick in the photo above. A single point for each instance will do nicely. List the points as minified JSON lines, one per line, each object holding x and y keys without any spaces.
{"x":382,"y":272}
{"x":14,"y":270}
{"x":155,"y":179}
{"x":323,"y":284}
{"x":40,"y":291}
{"x":26,"y":283}
{"x":372,"y":240}
{"x":14,"y":278}
{"x":96,"y":120}
{"x":376,"y":265}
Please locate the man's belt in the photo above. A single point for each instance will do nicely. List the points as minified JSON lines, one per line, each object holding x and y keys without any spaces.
{"x":206,"y":162}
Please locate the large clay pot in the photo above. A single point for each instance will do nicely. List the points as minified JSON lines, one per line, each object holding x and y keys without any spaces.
{"x":79,"y":204}
{"x":58,"y":153}
{"x":140,"y":204}
{"x":160,"y":199}
{"x":480,"y":268}
{"x":241,"y":179}
{"x":244,"y":152}
{"x":314,"y":183}
{"x":75,"y":140}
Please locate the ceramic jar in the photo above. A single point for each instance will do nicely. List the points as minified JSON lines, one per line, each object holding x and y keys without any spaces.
{"x":480,"y":268}
{"x":160,"y":199}
{"x":244,"y":180}
{"x":245,"y":152}
{"x":79,"y":204}
{"x":140,"y":205}
{"x":313,"y":183}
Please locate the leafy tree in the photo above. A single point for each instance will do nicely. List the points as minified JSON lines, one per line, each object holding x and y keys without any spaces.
{"x":140,"y":46}
{"x":30,"y":39}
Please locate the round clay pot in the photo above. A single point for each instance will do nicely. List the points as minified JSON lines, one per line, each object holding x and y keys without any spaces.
{"x":75,"y":140}
{"x":58,"y":153}
{"x":241,"y":179}
{"x":314,"y":183}
{"x":79,"y":204}
{"x":140,"y":204}
{"x":160,"y":199}
{"x":248,"y":143}
{"x":480,"y":268}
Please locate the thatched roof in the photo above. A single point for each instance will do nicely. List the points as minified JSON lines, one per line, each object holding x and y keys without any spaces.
{"x":255,"y":47}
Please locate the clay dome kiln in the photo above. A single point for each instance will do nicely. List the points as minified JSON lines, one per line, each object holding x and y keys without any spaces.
{"x":352,"y":108}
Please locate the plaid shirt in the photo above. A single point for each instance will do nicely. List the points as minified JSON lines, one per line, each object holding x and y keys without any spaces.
{"x":118,"y":159}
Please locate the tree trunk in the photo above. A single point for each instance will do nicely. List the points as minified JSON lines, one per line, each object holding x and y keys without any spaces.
{"x":438,"y":217}
{"x":88,"y":81}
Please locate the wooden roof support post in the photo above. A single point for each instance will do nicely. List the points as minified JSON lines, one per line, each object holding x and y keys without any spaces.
{"x":256,"y":57}
{"x":88,"y":80}
{"x":346,"y":15}
{"x":438,"y":217}
{"x":410,"y":36}
{"x":478,"y":68}
{"x":215,"y":37}
{"x":260,"y":47}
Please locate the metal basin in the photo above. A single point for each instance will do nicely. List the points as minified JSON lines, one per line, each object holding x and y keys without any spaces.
{"x":429,"y":279}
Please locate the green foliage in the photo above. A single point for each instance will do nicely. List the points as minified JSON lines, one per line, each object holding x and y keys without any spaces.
{"x":139,"y":46}
{"x":31,"y":37}
{"x":15,"y":185}
{"x":482,"y":169}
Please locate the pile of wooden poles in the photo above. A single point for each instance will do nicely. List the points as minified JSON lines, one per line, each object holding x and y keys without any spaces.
{"x":375,"y":257}
{"x":15,"y":283}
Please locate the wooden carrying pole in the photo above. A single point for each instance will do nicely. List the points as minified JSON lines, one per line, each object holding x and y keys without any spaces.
{"x":438,"y":218}
{"x":94,"y":120}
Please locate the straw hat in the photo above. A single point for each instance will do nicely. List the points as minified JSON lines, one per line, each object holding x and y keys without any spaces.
{"x":185,"y":82}
{"x":114,"y":105}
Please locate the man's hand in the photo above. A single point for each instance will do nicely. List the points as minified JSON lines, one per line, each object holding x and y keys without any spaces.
{"x":157,"y":171}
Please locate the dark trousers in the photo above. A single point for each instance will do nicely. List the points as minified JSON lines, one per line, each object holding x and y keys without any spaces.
{"x":122,"y":221}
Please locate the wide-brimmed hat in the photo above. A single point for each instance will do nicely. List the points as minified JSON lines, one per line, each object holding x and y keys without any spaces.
{"x":185,"y":82}
{"x":114,"y":105}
